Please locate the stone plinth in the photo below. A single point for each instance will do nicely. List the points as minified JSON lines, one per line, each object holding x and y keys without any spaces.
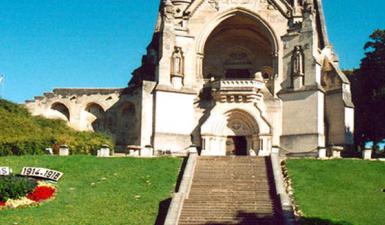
{"x":336,"y":151}
{"x":367,"y":154}
{"x":103,"y":152}
{"x":64,"y":150}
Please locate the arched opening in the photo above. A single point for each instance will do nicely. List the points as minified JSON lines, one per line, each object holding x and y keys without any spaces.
{"x":237,"y":48}
{"x":239,"y":131}
{"x":95,"y":117}
{"x":61,"y":111}
{"x":236,"y":132}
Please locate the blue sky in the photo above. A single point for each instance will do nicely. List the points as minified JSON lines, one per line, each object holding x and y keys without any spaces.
{"x":98,"y":43}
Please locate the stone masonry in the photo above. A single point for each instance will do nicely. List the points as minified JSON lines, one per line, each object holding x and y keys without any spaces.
{"x":228,"y":77}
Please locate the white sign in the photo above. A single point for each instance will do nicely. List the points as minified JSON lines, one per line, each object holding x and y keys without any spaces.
{"x":41,"y":172}
{"x":5,"y":171}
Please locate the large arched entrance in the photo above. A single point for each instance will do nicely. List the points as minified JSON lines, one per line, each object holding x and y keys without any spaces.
{"x":237,"y":57}
{"x":237,"y":45}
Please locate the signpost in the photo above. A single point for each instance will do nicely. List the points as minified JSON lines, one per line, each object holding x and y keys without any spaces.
{"x":42,"y":173}
{"x":5,"y":171}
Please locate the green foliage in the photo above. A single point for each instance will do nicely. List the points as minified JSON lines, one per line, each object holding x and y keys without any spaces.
{"x":97,"y":191}
{"x":23,"y":134}
{"x":340,"y":191}
{"x":368,"y":90}
{"x":14,"y":187}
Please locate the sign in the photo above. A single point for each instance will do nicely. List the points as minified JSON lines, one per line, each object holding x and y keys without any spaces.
{"x":42,"y":173}
{"x":5,"y":171}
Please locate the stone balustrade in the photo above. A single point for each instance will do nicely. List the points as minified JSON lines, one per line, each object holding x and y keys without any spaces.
{"x":237,"y":90}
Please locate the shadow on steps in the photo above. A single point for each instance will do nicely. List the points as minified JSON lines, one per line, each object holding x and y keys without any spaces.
{"x":249,"y":219}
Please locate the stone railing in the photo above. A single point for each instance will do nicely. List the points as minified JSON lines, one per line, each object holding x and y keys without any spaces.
{"x":237,"y":90}
{"x":237,"y":84}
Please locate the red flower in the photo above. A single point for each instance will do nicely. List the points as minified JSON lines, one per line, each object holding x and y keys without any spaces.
{"x":41,"y":193}
{"x":2,"y":204}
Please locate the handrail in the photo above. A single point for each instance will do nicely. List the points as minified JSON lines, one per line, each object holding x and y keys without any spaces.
{"x":286,"y":203}
{"x":175,"y":209}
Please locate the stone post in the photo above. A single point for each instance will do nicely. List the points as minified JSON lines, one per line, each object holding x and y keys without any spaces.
{"x":367,"y":154}
{"x":104,"y":151}
{"x":147,"y":151}
{"x":64,"y":150}
{"x":322,"y":153}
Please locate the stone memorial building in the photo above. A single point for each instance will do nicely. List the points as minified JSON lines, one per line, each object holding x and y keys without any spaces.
{"x":229,"y":77}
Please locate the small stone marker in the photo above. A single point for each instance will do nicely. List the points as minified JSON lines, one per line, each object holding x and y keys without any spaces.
{"x":5,"y":171}
{"x":336,"y":151}
{"x":42,"y":173}
{"x":367,"y":154}
{"x":104,"y":151}
{"x":64,"y":150}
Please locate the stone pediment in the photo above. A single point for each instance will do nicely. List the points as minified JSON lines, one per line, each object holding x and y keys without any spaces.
{"x":281,"y":5}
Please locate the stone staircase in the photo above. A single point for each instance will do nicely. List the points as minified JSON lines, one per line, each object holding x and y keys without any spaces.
{"x":232,"y":190}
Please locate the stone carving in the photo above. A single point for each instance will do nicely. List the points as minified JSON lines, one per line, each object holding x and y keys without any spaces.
{"x":168,"y":10}
{"x":214,"y":4}
{"x":298,"y":61}
{"x":177,"y":62}
{"x":307,"y":5}
{"x":217,"y":4}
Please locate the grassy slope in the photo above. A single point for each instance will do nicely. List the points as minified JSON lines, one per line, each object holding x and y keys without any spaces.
{"x":17,"y":125}
{"x":111,"y":201}
{"x":340,"y":190}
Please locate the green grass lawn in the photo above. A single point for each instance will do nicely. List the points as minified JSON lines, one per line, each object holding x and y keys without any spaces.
{"x":125,"y":190}
{"x":339,"y":191}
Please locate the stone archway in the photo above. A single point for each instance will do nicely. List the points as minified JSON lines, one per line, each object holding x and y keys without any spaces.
{"x":235,"y":129}
{"x":59,"y":111}
{"x":94,"y":117}
{"x":228,"y":44}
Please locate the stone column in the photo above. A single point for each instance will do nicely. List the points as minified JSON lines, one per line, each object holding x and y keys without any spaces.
{"x":255,"y":140}
{"x":199,"y":67}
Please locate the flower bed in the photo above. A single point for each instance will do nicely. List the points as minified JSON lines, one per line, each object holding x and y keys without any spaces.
{"x":43,"y":191}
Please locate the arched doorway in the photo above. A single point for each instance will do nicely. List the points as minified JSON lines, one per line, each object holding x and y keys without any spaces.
{"x":236,"y":145}
{"x":235,"y":132}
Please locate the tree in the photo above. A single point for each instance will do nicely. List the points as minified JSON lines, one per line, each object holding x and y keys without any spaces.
{"x":368,"y":89}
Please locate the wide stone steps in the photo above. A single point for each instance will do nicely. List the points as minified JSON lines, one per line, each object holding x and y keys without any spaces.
{"x":230,"y":190}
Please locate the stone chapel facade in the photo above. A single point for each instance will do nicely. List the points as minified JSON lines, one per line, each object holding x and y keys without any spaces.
{"x":230,"y":77}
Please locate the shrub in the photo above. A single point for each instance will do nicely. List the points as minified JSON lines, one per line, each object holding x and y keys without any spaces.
{"x":14,"y":187}
{"x":23,"y":134}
